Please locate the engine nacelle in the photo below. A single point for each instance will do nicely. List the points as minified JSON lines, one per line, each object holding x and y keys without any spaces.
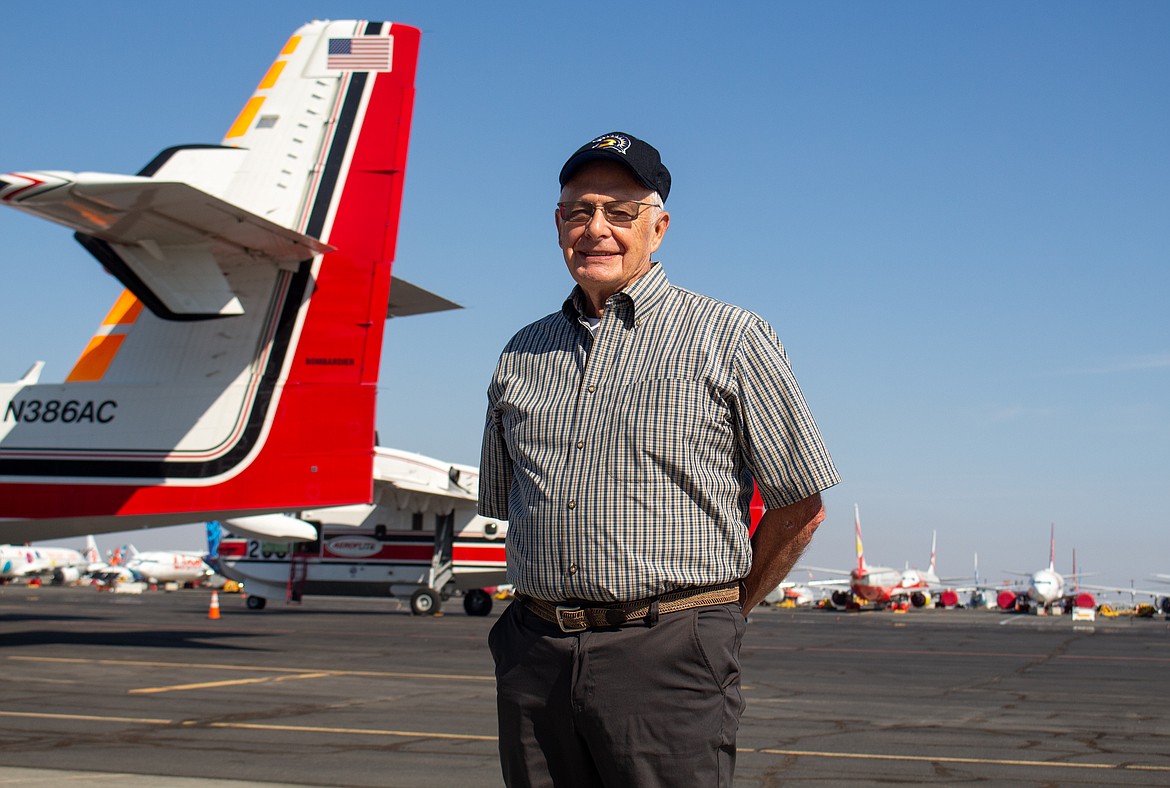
{"x":919,"y":599}
{"x":842,"y":599}
{"x":1007,"y":600}
{"x":66,"y":575}
{"x":948,"y":598}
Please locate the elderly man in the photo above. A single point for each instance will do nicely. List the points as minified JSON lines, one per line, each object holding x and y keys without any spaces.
{"x":624,"y":433}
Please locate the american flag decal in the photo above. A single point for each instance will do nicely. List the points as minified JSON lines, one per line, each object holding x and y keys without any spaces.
{"x":367,"y":53}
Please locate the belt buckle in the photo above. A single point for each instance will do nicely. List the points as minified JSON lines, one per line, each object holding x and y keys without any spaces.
{"x":561,"y":609}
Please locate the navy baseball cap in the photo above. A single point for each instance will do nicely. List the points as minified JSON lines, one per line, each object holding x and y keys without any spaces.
{"x":641,"y":157}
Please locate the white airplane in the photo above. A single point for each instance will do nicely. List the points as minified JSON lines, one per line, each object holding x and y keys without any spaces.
{"x":791,"y":594}
{"x":1163,"y":600}
{"x":881,"y":586}
{"x":62,"y":564}
{"x":421,"y":538}
{"x":168,"y":566}
{"x":1047,"y":591}
{"x":236,"y":374}
{"x":978,"y":596}
{"x":1158,"y":599}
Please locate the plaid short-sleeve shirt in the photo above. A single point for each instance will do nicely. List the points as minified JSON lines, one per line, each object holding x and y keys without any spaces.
{"x":623,"y":458}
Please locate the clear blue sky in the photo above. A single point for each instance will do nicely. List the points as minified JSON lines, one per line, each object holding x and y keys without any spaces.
{"x":956,"y":215}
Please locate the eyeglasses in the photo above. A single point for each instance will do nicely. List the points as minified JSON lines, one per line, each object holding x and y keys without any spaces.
{"x":616,"y":211}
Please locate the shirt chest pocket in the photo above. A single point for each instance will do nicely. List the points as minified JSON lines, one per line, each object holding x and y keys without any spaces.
{"x":655,"y":428}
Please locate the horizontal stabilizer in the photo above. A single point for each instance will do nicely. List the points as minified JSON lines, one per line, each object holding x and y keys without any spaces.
{"x":173,"y":239}
{"x":407,"y":299}
{"x":33,"y":375}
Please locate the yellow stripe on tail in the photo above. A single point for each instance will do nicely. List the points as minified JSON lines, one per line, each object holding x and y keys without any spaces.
{"x":100,"y":352}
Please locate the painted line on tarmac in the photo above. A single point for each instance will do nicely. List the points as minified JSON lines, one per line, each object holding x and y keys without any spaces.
{"x":259,"y":668}
{"x":930,"y":653}
{"x":254,"y":726}
{"x":230,"y":683}
{"x":858,"y":756}
{"x":351,"y":731}
{"x":861,"y":756}
{"x":44,"y":715}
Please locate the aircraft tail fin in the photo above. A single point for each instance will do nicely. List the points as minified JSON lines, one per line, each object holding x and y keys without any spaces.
{"x":214,"y":536}
{"x":1052,"y":549}
{"x":91,"y":553}
{"x":237,"y":373}
{"x":933,"y":545}
{"x":861,"y":565}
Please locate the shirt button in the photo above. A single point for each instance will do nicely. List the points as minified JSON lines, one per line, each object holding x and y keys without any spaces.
{"x":572,"y":504}
{"x":589,"y":388}
{"x":572,"y":569}
{"x":580,"y":444}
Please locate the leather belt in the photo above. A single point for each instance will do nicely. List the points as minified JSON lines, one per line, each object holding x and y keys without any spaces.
{"x":578,"y":618}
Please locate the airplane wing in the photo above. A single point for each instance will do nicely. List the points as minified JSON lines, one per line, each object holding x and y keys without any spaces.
{"x":947,"y":581}
{"x":803,"y":567}
{"x":414,"y":481}
{"x":841,"y":583}
{"x":1131,"y":591}
{"x":272,"y":526}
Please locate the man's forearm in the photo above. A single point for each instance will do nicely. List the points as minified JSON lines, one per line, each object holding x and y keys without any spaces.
{"x":779,"y":540}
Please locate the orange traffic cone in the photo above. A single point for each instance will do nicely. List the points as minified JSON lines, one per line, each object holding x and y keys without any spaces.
{"x":213,"y":611}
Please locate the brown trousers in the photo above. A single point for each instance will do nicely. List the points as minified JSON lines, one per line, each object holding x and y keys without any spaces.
{"x":636,"y":706}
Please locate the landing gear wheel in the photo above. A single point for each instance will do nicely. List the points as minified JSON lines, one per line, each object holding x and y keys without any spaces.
{"x":425,"y":602}
{"x":255,"y":602}
{"x":477,"y":602}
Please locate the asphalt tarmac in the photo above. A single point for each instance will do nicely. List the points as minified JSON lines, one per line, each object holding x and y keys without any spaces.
{"x":103,"y":689}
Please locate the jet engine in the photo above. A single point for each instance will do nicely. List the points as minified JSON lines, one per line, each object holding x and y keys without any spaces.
{"x":66,"y":575}
{"x":1011,"y":601}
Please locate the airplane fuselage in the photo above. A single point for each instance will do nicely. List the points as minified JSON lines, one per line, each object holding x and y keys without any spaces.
{"x":169,"y":567}
{"x":27,"y":560}
{"x":1046,"y":586}
{"x":883,"y":584}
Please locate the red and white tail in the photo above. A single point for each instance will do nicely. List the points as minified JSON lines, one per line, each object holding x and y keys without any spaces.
{"x":236,"y":374}
{"x":91,"y":552}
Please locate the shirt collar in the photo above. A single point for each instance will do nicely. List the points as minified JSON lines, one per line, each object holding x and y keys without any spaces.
{"x":643,"y":294}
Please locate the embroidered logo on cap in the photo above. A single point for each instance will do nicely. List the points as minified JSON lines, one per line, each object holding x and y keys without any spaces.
{"x":614,"y":142}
